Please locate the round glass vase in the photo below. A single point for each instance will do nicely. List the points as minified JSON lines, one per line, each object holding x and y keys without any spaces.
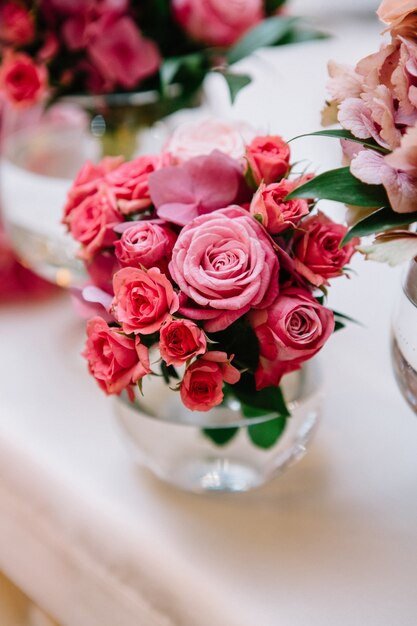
{"x":219,"y":450}
{"x":43,"y":149}
{"x":404,"y":337}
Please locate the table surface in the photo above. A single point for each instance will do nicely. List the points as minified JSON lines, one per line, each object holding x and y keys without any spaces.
{"x":98,"y":542}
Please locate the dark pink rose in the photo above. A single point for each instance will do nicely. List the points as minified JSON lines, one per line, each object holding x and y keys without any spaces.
{"x":16,"y":24}
{"x":92,"y":223}
{"x":293,"y":329}
{"x":202,"y":386}
{"x":22,"y":81}
{"x":198,"y":186}
{"x":318,"y":255}
{"x":115,"y":361}
{"x":274,"y":212}
{"x":226,"y":264}
{"x":143,"y":299}
{"x":129,"y":183}
{"x":268,"y":158}
{"x":145,"y":244}
{"x":181,"y":340}
{"x":216,"y":22}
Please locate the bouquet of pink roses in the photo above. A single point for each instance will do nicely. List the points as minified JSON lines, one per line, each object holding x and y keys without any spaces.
{"x":376,"y":104}
{"x":198,"y":254}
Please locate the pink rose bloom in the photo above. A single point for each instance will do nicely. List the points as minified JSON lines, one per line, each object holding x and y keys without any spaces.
{"x":16,"y":24}
{"x":268,"y":158}
{"x":216,"y":22}
{"x":115,"y":361}
{"x":202,"y":386}
{"x":143,"y":300}
{"x":274,"y":212}
{"x":92,"y":223}
{"x":181,"y":340}
{"x":129,"y":183}
{"x":145,"y":244}
{"x":226,"y":264}
{"x":293,"y":329}
{"x":201,"y":185}
{"x":22,"y":81}
{"x":318,"y":255}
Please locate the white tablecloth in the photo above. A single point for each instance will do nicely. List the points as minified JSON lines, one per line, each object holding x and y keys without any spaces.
{"x":97,"y":542}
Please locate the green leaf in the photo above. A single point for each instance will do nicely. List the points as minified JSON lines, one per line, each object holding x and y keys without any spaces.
{"x":220,"y":436}
{"x":344,"y":134}
{"x":302,"y":34}
{"x":269,"y":399}
{"x":340,"y":185}
{"x":338,"y":325}
{"x":235,"y":83}
{"x":380,"y":220}
{"x":272,"y":6}
{"x":342,"y":316}
{"x":267,"y":33}
{"x":266,"y":434}
{"x":239,"y":339}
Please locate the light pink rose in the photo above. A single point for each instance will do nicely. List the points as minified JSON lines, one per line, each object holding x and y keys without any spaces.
{"x":115,"y":361}
{"x":318,"y":255}
{"x":181,"y":340}
{"x":145,"y":244}
{"x":129,"y":183}
{"x":226,"y":264}
{"x":16,"y":24}
{"x":268,"y":158}
{"x":202,"y":386}
{"x":216,"y":22}
{"x":22,"y":81}
{"x":274,"y":212}
{"x":293,"y":329}
{"x":143,"y":299}
{"x":92,"y":223}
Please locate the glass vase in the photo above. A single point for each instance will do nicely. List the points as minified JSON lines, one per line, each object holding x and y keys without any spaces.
{"x":219,"y":450}
{"x":44,"y":149}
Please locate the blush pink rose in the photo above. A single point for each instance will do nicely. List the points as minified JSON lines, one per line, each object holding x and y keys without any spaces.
{"x":401,"y":16}
{"x":293,"y":329}
{"x":216,"y":22}
{"x":129,"y":183}
{"x":143,"y":299}
{"x":145,"y":244}
{"x":115,"y":361}
{"x":268,"y":158}
{"x":202,"y":386}
{"x":22,"y":81}
{"x":16,"y":24}
{"x":225,"y":263}
{"x":317,"y":250}
{"x":275,"y":213}
{"x":181,"y":340}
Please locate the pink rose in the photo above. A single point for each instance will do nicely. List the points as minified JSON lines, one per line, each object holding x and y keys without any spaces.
{"x":216,"y":22}
{"x":274,"y":212}
{"x":401,"y":16}
{"x":226,"y":264}
{"x":202,"y":386}
{"x":22,"y":81}
{"x":115,"y":361}
{"x":129,"y":183}
{"x":181,"y":340}
{"x":318,"y":255}
{"x":16,"y":24}
{"x":92,"y":223}
{"x":268,"y":158}
{"x":293,"y":329}
{"x":142,"y":299}
{"x":145,"y":244}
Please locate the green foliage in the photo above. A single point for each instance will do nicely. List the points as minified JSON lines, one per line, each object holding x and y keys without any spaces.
{"x":221,"y":436}
{"x":266,"y":434}
{"x":235,"y":83}
{"x":239,"y":339}
{"x":344,"y":134}
{"x":380,"y":220}
{"x":267,"y":33}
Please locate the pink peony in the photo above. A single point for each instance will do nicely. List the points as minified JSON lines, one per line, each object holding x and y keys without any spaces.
{"x":115,"y":361}
{"x":22,"y":81}
{"x":143,"y":300}
{"x":274,"y":212}
{"x":145,"y":244}
{"x":16,"y":24}
{"x":202,"y":386}
{"x":226,"y":264}
{"x":129,"y":183}
{"x":181,"y":340}
{"x":216,"y":22}
{"x":268,"y":158}
{"x":318,"y":255}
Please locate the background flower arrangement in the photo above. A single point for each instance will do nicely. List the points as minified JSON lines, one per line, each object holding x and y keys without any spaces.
{"x":199,"y":254}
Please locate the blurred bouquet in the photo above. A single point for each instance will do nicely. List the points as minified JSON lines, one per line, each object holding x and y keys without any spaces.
{"x":376,"y":104}
{"x":198,"y":254}
{"x":50,"y":48}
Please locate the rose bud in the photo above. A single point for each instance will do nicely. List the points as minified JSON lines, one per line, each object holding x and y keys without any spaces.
{"x":181,"y":340}
{"x":268,"y":158}
{"x":22,"y":81}
{"x":276,"y":214}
